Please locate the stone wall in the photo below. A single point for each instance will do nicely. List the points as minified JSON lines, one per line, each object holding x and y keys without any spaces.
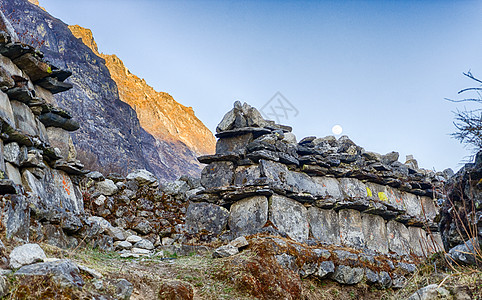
{"x":324,"y":190}
{"x":38,"y":165}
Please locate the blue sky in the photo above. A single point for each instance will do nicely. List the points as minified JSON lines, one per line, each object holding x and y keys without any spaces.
{"x":380,"y":69}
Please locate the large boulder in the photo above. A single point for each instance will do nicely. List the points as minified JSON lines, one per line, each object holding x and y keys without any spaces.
{"x":25,"y":255}
{"x":248,"y":215}
{"x":289,"y":216}
{"x":64,"y":271}
{"x":206,"y":216}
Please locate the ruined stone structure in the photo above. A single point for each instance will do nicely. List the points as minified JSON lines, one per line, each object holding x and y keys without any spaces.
{"x":37,"y":158}
{"x":320,"y":190}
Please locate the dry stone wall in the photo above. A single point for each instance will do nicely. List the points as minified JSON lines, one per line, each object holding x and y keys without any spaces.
{"x":324,"y":190}
{"x":38,"y":165}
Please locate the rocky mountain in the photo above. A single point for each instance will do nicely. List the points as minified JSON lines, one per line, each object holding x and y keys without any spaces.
{"x":158,"y":113}
{"x":111,"y":137}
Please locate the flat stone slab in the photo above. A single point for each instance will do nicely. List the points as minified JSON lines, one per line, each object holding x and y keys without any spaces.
{"x":289,"y":216}
{"x":248,"y":215}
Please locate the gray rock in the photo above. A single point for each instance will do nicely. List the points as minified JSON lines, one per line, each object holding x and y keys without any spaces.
{"x":176,"y":187}
{"x":64,"y":271}
{"x":325,"y":269}
{"x":25,"y":255}
{"x":418,"y":241}
{"x":133,"y":238}
{"x":121,"y":245}
{"x":390,"y":157}
{"x":144,"y":244}
{"x":12,"y":154}
{"x":375,"y":233}
{"x":287,"y":261}
{"x":106,"y":187}
{"x":398,"y":237}
{"x":289,"y":216}
{"x":142,"y":177}
{"x":228,"y":119}
{"x":207,"y":216}
{"x":225,"y":251}
{"x":142,"y":226}
{"x":239,"y":242}
{"x":431,"y":292}
{"x":234,"y":145}
{"x":465,"y":253}
{"x":324,"y":225}
{"x":123,"y":289}
{"x":97,"y":176}
{"x":351,"y":228}
{"x":3,"y":286}
{"x":217,"y":175}
{"x":371,"y":276}
{"x":248,"y":215}
{"x":385,"y":280}
{"x":348,"y":275}
{"x":308,"y":268}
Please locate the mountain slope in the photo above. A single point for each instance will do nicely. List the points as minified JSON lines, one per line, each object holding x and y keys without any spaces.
{"x":111,"y":136}
{"x":158,"y":113}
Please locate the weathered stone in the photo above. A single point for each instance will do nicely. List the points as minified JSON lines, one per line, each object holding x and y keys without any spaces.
{"x":239,"y":242}
{"x":330,"y":187}
{"x":6,"y":112}
{"x":431,"y":292}
{"x":353,"y":188}
{"x":325,"y":269}
{"x":248,"y":175}
{"x":175,"y":290}
{"x":280,"y":178}
{"x":71,"y":223}
{"x":59,"y":138}
{"x":15,"y":216}
{"x":248,"y":215}
{"x":375,"y":233}
{"x":53,"y":85}
{"x":6,"y":81}
{"x":123,"y":289}
{"x":3,"y":286}
{"x":35,"y":67}
{"x":324,"y":225}
{"x":63,"y":271}
{"x":398,"y":237}
{"x":418,"y":241}
{"x":217,"y":174}
{"x":106,"y":187}
{"x":465,"y":253}
{"x":235,"y":145}
{"x":289,"y":216}
{"x":142,"y":177}
{"x":412,"y":204}
{"x":144,"y":244}
{"x":24,"y":118}
{"x":225,"y":251}
{"x":13,"y":173}
{"x":141,"y":226}
{"x":122,"y":245}
{"x":25,"y":255}
{"x":351,"y":228}
{"x":133,"y":238}
{"x":348,"y":275}
{"x":176,"y":187}
{"x":429,"y":211}
{"x":207,"y":216}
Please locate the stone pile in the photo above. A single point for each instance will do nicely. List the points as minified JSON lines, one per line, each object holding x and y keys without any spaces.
{"x":38,"y":165}
{"x":135,"y":215}
{"x":324,"y":190}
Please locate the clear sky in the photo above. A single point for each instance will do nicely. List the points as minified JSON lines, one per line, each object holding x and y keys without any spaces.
{"x":380,"y":69}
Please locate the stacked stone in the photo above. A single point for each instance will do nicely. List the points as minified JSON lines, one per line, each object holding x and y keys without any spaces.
{"x":36,"y":152}
{"x":328,"y":190}
{"x":134,"y":214}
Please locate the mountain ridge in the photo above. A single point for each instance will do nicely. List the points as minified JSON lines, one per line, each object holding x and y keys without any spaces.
{"x":158,"y":112}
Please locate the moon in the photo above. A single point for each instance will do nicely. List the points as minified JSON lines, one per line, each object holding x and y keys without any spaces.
{"x":337,"y":130}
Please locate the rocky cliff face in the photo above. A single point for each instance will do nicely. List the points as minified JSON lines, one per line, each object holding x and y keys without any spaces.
{"x":111,"y":135}
{"x":158,"y":113}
